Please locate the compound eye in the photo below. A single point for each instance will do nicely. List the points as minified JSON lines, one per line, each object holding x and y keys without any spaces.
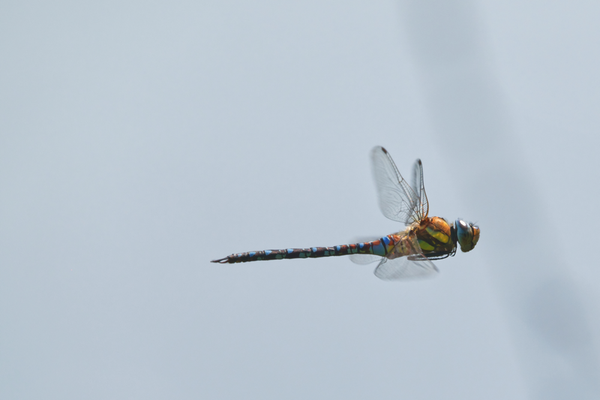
{"x":467,"y":235}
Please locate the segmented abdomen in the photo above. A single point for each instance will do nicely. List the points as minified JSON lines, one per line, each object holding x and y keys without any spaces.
{"x":379,"y":247}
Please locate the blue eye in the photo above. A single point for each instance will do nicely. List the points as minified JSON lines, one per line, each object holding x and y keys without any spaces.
{"x":467,"y":235}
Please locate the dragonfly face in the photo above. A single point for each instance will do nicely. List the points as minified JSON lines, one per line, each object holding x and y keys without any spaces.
{"x":467,"y":235}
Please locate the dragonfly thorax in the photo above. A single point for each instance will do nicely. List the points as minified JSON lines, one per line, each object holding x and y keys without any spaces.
{"x":435,"y":237}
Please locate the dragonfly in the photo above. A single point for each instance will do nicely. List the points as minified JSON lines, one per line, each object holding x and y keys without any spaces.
{"x":402,"y":255}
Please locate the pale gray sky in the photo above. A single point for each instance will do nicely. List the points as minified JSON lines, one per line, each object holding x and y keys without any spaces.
{"x":139,"y":141}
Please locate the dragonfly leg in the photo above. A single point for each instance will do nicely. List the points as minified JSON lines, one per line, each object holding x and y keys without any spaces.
{"x":440,"y":255}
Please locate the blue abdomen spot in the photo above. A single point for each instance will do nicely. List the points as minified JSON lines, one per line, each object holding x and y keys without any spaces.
{"x":252,"y":253}
{"x":314,"y":249}
{"x":379,"y":249}
{"x":290,"y":251}
{"x":267,"y":252}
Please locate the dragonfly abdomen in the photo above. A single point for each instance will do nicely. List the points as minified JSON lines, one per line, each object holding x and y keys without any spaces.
{"x":378,"y":247}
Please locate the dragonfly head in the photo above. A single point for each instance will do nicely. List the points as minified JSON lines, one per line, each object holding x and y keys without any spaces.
{"x":467,"y":235}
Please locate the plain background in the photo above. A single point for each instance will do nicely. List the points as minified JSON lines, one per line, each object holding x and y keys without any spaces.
{"x":140,"y":140}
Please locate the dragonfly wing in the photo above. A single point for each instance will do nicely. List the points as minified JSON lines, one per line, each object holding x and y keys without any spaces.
{"x":415,"y":265}
{"x":364,"y":259}
{"x":397,"y":199}
{"x":418,"y":185}
{"x":404,"y":268}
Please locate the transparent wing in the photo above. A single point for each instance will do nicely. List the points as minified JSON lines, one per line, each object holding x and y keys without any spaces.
{"x":403,"y":268}
{"x":364,"y":259}
{"x":418,"y":186}
{"x":397,"y":200}
{"x":407,"y":267}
